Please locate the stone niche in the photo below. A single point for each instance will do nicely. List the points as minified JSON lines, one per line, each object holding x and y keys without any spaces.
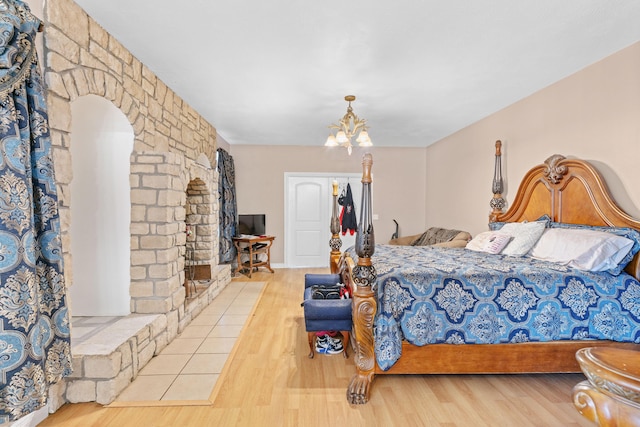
{"x":172,"y":183}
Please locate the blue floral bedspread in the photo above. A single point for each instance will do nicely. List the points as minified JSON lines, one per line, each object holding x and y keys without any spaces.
{"x":441,"y":295}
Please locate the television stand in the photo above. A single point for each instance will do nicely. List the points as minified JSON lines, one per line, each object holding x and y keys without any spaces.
{"x":252,"y":246}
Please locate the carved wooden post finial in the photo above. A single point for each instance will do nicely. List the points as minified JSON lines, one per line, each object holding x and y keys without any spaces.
{"x":497,"y":202}
{"x":367,"y":163}
{"x":335,"y":243}
{"x":365,"y":238}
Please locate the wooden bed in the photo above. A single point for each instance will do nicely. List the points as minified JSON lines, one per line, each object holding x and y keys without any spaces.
{"x":568,"y":191}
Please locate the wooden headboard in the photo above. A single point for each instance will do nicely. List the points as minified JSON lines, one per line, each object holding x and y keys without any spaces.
{"x":570,"y":191}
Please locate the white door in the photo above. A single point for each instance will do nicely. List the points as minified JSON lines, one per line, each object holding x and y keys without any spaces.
{"x":306,"y":221}
{"x":308,"y":204}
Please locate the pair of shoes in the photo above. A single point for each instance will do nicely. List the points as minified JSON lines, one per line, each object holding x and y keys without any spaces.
{"x":328,"y":345}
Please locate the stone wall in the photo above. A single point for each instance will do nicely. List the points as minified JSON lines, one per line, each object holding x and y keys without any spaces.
{"x":81,"y":58}
{"x":199,"y":218}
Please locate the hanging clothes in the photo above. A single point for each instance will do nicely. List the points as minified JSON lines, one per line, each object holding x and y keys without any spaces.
{"x":34,"y":320}
{"x":348,"y":219}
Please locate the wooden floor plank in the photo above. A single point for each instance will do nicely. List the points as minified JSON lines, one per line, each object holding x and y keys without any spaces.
{"x":271,"y":381}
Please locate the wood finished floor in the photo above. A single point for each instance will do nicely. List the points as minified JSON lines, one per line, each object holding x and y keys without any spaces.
{"x":269,"y":381}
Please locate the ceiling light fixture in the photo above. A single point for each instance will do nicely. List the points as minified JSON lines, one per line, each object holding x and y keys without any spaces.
{"x":348,"y":127}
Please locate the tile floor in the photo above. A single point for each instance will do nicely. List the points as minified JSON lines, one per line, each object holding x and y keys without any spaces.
{"x":187,"y":369}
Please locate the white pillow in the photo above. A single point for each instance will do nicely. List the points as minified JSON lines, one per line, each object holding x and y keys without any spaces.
{"x":478,"y":242}
{"x":588,"y":250}
{"x":489,"y":241}
{"x":525,"y":235}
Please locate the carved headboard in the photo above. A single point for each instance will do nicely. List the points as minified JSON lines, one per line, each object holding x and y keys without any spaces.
{"x":570,"y":191}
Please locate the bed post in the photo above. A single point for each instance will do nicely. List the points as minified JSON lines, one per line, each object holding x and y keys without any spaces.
{"x":364,"y":303}
{"x":497,"y":203}
{"x":335,"y":243}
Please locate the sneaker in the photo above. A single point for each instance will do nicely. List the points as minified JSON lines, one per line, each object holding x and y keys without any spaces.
{"x":336,"y":342}
{"x":327,"y":339}
{"x":321,"y":344}
{"x":329,"y":349}
{"x":328,"y":345}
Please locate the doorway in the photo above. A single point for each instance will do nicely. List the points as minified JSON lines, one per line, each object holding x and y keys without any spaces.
{"x":308,"y":205}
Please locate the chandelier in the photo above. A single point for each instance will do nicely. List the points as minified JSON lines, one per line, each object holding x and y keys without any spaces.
{"x":347,"y":128}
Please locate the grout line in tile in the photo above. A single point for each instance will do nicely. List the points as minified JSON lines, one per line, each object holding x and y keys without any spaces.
{"x":225,"y":305}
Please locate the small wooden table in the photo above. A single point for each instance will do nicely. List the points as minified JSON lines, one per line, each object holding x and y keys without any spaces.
{"x":252,"y":246}
{"x":611,"y":395}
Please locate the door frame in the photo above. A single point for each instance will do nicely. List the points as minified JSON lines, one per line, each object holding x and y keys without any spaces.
{"x":352,"y":177}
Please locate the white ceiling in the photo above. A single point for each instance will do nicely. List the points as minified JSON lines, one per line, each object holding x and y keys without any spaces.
{"x":276,"y":72}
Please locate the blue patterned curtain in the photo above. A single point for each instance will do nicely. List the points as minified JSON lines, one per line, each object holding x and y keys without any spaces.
{"x":34,"y":323}
{"x":227,"y":206}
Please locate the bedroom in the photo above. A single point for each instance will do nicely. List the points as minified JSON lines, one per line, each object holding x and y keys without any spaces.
{"x":591,"y":114}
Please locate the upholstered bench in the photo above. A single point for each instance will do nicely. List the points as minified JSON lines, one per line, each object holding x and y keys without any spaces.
{"x":325,"y":314}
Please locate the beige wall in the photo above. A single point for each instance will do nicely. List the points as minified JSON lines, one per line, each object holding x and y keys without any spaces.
{"x":222,"y":143}
{"x":593,"y":114}
{"x":398,"y":184}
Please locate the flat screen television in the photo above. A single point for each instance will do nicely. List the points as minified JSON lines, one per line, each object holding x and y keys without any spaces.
{"x":254,"y":225}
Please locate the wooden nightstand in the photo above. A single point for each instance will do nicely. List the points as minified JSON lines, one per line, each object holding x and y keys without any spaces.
{"x":611,"y":396}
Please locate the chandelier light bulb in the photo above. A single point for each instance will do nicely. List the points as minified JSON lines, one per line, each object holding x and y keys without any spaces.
{"x":363,"y":139}
{"x":331,"y":141}
{"x":341,"y":137}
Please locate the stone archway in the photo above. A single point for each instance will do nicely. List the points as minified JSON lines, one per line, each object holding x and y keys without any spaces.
{"x":102,"y":141}
{"x":81,"y":58}
{"x":170,"y":140}
{"x":199,"y":240}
